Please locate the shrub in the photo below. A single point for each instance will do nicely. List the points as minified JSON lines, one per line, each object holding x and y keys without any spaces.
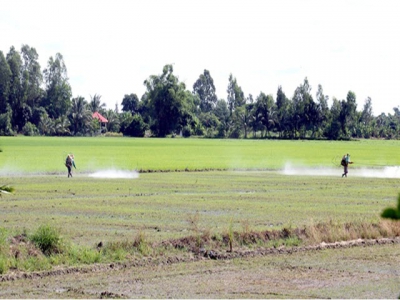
{"x":47,"y":239}
{"x":30,"y":129}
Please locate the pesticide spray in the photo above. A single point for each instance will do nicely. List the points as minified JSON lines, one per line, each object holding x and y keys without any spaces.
{"x":384,"y":172}
{"x":112,"y":173}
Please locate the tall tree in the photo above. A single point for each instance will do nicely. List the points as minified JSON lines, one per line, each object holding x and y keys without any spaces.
{"x":304,"y":108}
{"x":334,"y":128}
{"x":5,"y":76}
{"x":58,"y":90}
{"x":235,"y":94}
{"x":205,"y":89}
{"x":348,"y":113}
{"x":266,"y":111}
{"x":16,"y":97}
{"x":367,"y":115}
{"x":322,"y":101}
{"x":32,"y":76}
{"x":282,"y":111}
{"x":166,"y":100}
{"x":221,"y":111}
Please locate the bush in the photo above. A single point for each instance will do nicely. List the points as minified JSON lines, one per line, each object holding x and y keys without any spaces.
{"x":29,"y":129}
{"x":47,"y":239}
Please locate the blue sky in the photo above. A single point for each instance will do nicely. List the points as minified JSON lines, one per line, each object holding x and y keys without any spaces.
{"x":111,"y":47}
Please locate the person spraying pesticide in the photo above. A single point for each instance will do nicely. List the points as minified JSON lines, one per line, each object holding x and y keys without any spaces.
{"x":69,"y":162}
{"x":345,"y":163}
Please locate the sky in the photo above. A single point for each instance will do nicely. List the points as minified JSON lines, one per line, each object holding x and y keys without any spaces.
{"x":111,"y":47}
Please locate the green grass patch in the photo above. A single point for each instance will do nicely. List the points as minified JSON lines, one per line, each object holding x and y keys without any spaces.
{"x":47,"y":154}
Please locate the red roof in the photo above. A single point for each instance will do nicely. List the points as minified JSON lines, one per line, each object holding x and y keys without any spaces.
{"x":99,"y":117}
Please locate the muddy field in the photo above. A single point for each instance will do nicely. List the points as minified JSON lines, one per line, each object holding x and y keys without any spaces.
{"x":355,"y":269}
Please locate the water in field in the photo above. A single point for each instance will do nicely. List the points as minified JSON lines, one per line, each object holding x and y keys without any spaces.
{"x":385,"y":172}
{"x":115,"y":174}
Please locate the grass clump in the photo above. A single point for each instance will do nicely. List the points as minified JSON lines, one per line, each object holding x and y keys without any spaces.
{"x":47,"y":239}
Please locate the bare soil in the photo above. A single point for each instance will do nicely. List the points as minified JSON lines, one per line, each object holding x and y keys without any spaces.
{"x":353,"y":269}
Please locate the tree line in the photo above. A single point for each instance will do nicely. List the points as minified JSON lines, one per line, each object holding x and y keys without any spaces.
{"x":36,"y":102}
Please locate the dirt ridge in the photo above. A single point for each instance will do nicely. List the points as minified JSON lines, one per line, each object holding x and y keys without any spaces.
{"x":203,"y":254}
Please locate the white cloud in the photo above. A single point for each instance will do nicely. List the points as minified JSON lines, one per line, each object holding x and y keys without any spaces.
{"x":111,"y":47}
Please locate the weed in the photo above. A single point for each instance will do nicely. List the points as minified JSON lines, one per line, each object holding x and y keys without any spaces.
{"x":47,"y":239}
{"x":231,"y":235}
{"x":3,"y":264}
{"x":89,"y":256}
{"x":141,"y":243}
{"x":194,"y":221}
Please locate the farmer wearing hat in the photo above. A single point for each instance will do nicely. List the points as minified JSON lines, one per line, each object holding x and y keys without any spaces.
{"x":345,"y":163}
{"x":69,"y":162}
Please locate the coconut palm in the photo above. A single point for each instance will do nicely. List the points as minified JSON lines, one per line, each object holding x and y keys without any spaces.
{"x":62,"y":125}
{"x":80,"y":116}
{"x":113,"y":121}
{"x":46,"y":125}
{"x":95,"y":104}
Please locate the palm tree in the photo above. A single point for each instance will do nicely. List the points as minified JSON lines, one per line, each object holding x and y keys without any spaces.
{"x":113,"y":121}
{"x":62,"y":125}
{"x":80,"y":116}
{"x":46,"y":125}
{"x":95,"y":104}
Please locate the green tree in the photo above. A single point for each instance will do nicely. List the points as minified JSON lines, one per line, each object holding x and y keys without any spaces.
{"x":137,"y":128}
{"x":266,"y":111}
{"x":222,"y":113}
{"x":366,"y":118}
{"x":323,"y":107}
{"x":32,"y":77}
{"x":235,"y":97}
{"x":130,"y":103}
{"x":5,"y":77}
{"x":166,"y":99}
{"x":46,"y":125}
{"x":305,"y":110}
{"x":283,"y":118}
{"x":113,"y":124}
{"x":16,"y":97}
{"x":80,"y":116}
{"x":334,"y":129}
{"x":95,"y":104}
{"x":5,"y":123}
{"x":125,"y":119}
{"x":61,"y":125}
{"x":242,"y":120}
{"x":205,"y":89}
{"x":348,"y":113}
{"x":57,"y":100}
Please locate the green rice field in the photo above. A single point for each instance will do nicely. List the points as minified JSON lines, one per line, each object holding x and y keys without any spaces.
{"x":254,"y":188}
{"x":47,"y":154}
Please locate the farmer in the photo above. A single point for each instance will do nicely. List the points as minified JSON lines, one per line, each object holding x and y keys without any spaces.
{"x":345,"y":163}
{"x":69,"y":162}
